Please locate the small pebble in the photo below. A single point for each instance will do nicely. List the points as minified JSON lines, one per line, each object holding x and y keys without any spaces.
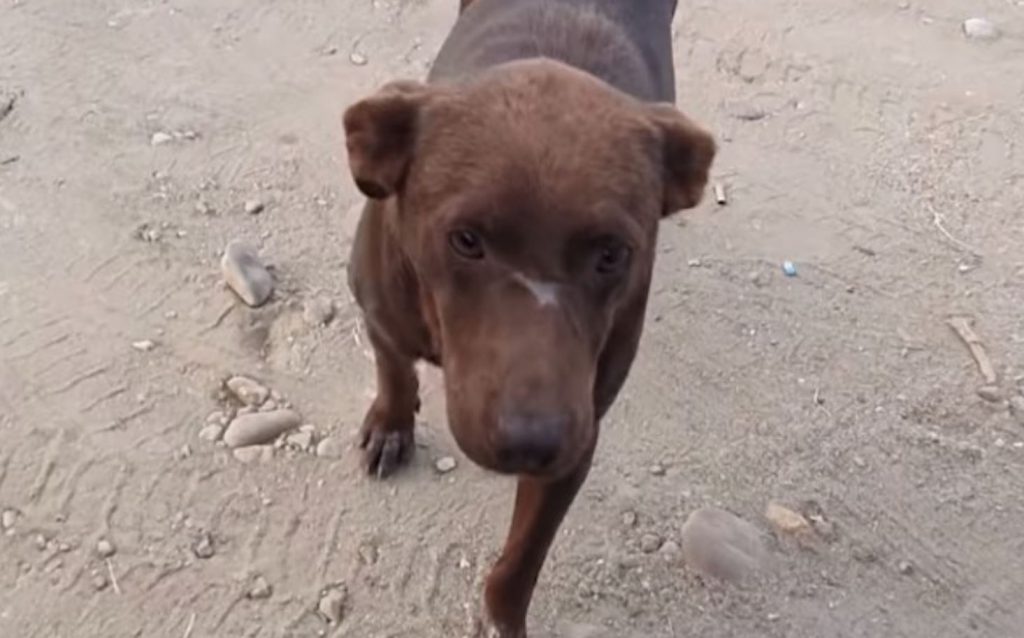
{"x":203,"y":547}
{"x":990,"y":393}
{"x":253,"y":207}
{"x":670,"y":548}
{"x":99,"y":582}
{"x":722,"y":545}
{"x":300,"y":440}
{"x":248,"y":391}
{"x":260,"y":427}
{"x":789,"y":268}
{"x":657,"y":470}
{"x":260,"y":589}
{"x":1017,"y":408}
{"x":105,"y":549}
{"x":330,"y":448}
{"x":332,"y":604}
{"x":318,"y":311}
{"x":445,"y":464}
{"x":253,"y":453}
{"x":211,"y":433}
{"x":905,"y":567}
{"x":650,"y":543}
{"x":41,"y":542}
{"x":204,"y":207}
{"x":8,"y":518}
{"x":980,"y":29}
{"x":786,"y":520}
{"x":144,"y":346}
{"x":161,"y":137}
{"x":629,"y":519}
{"x":245,"y":273}
{"x":217,"y":418}
{"x":357,"y":58}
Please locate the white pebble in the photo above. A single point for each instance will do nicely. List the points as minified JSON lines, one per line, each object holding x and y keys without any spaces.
{"x":445,"y":464}
{"x":980,"y":29}
{"x":330,"y":448}
{"x":248,"y":391}
{"x":254,"y":206}
{"x":357,"y":58}
{"x":8,"y":519}
{"x":105,"y":549}
{"x":245,"y":273}
{"x":144,"y":345}
{"x":211,"y":433}
{"x":161,"y":137}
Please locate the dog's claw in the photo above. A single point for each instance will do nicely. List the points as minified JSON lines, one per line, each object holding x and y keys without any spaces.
{"x":385,"y":452}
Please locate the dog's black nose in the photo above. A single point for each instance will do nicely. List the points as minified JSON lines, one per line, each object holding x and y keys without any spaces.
{"x":530,"y":442}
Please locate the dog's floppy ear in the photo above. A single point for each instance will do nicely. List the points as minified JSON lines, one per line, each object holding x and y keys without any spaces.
{"x":380,"y":133}
{"x":687,"y":153}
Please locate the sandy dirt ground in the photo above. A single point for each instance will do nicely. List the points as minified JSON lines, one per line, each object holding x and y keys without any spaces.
{"x":869,"y":142}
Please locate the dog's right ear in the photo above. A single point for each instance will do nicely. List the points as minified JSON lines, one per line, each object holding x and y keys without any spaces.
{"x":380,"y":133}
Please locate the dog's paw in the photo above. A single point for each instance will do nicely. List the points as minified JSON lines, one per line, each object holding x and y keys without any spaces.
{"x":384,"y":451}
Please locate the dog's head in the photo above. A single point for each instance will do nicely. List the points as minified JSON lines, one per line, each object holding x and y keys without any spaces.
{"x":528,"y":202}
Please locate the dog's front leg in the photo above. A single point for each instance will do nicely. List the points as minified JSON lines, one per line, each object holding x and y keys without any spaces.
{"x":540,"y":507}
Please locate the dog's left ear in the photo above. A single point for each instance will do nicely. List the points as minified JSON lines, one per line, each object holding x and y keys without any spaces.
{"x":687,"y":153}
{"x":380,"y":135}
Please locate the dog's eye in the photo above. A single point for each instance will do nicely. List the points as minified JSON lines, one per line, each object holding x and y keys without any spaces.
{"x":466,"y":244}
{"x":612,"y":258}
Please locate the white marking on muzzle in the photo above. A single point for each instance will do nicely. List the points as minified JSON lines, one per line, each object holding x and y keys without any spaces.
{"x":545,"y":293}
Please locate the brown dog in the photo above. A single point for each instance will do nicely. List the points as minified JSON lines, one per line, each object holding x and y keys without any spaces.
{"x":509,"y":237}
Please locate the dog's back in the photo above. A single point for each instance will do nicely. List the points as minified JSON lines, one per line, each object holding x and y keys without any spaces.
{"x":626,"y":43}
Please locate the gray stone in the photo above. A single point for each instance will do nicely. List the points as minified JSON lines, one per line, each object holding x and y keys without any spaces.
{"x":301,"y":440}
{"x":330,"y":448}
{"x":253,"y":453}
{"x":332,"y":604}
{"x":990,"y":393}
{"x":259,"y":428}
{"x":722,"y":545}
{"x":203,"y":547}
{"x":211,"y":433}
{"x":980,"y":29}
{"x":247,"y":390}
{"x":650,"y":543}
{"x":245,"y":273}
{"x":260,"y":589}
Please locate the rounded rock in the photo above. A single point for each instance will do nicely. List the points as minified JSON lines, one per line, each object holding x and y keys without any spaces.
{"x":8,"y":519}
{"x":722,"y":545}
{"x":259,"y":428}
{"x":445,"y":464}
{"x":245,"y":273}
{"x":247,"y":390}
{"x":253,"y":207}
{"x":650,"y":543}
{"x":330,"y":448}
{"x":105,"y":549}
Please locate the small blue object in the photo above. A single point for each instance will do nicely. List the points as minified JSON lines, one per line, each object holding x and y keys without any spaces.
{"x":789,"y":268}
